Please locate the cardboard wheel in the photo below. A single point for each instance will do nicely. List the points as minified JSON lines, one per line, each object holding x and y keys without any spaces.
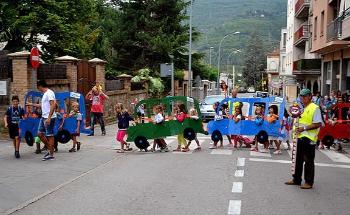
{"x":262,"y":136}
{"x":328,"y":140}
{"x":28,"y":136}
{"x":63,"y":136}
{"x":189,"y":134}
{"x":141,"y":142}
{"x":216,"y":136}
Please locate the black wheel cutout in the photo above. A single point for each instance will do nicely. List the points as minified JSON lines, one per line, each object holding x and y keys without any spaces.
{"x":141,"y":142}
{"x":63,"y":136}
{"x":28,"y":136}
{"x":189,"y":134}
{"x":262,"y":137}
{"x":216,"y":136}
{"x":328,"y":140}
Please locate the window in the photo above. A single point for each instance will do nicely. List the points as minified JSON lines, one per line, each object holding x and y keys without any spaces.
{"x":315,"y":28}
{"x":322,"y":23}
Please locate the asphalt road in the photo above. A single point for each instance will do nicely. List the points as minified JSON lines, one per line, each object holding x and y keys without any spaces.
{"x":97,"y":180}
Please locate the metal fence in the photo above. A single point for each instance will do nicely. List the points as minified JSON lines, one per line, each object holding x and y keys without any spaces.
{"x":112,"y":85}
{"x":52,"y":71}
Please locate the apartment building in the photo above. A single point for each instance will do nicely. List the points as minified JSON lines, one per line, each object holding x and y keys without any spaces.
{"x":272,"y":70}
{"x":330,"y":39}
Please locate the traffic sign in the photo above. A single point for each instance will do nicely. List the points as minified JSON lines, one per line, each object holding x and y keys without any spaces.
{"x":34,"y":57}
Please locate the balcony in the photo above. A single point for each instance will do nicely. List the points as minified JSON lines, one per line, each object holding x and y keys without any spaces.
{"x":302,"y":9}
{"x":301,"y":36}
{"x":334,"y":30}
{"x":307,"y":67}
{"x":344,"y":32}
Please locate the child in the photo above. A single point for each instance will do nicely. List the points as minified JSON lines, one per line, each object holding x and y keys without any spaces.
{"x":286,"y":127}
{"x":77,"y":115}
{"x":12,"y":117}
{"x":271,"y":118}
{"x":237,"y":116}
{"x":218,"y":116}
{"x":180,"y":116}
{"x":259,"y":119}
{"x":123,"y":119}
{"x":159,"y":119}
{"x":193,"y":115}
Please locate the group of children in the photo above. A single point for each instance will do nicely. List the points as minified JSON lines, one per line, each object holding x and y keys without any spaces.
{"x":259,"y":118}
{"x":15,"y":113}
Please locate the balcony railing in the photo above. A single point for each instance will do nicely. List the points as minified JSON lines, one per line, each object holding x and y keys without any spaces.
{"x":302,"y":8}
{"x":301,"y":35}
{"x":307,"y":66}
{"x":334,"y":29}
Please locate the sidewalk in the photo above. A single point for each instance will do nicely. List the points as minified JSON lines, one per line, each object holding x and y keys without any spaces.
{"x":25,"y":179}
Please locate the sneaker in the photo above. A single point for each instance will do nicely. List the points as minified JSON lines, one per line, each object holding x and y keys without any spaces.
{"x":17,"y":155}
{"x":78,"y":146}
{"x":271,"y":147}
{"x":72,"y":150}
{"x":49,"y":157}
{"x":277,"y":152}
{"x":92,"y":134}
{"x":291,"y":182}
{"x":103,"y":133}
{"x":306,"y":186}
{"x":38,"y":151}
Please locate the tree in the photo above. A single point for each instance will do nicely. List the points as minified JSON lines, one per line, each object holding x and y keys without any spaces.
{"x":155,"y":88}
{"x":60,"y":27}
{"x":149,"y":32}
{"x":255,"y":61}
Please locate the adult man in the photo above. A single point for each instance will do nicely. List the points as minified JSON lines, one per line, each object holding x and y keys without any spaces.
{"x":12,"y":117}
{"x":309,"y":123}
{"x":97,"y":98}
{"x":47,"y":121}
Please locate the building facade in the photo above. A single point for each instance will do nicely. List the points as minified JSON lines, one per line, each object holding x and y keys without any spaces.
{"x":330,"y":22}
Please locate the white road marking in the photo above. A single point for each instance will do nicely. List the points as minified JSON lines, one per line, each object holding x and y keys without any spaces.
{"x":260,"y":154}
{"x":183,"y":153}
{"x":240,"y":161}
{"x":234,"y":207}
{"x":289,"y":162}
{"x":221,"y":152}
{"x":336,"y":156}
{"x":237,"y":187}
{"x":239,"y":173}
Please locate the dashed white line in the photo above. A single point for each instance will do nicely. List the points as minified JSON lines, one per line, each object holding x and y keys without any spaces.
{"x":221,"y":152}
{"x":234,"y":207}
{"x":240,"y":161}
{"x":239,"y":173}
{"x":237,"y":187}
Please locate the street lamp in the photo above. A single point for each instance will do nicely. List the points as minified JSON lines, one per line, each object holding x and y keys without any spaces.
{"x":235,"y":51}
{"x":219,"y":58}
{"x":190,"y":54}
{"x":211,"y":48}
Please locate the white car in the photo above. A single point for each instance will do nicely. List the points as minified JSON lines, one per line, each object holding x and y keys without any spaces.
{"x":251,"y":90}
{"x":207,"y":109}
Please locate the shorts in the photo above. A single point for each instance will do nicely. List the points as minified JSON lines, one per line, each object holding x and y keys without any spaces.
{"x":37,"y":140}
{"x":13,"y":130}
{"x":45,"y":129}
{"x":120,"y":135}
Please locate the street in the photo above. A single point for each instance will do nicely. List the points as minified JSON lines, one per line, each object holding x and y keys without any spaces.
{"x":97,"y":180}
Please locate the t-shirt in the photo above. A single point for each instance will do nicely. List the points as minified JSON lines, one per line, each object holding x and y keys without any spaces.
{"x":159,"y":118}
{"x":14,"y":114}
{"x":97,"y":103}
{"x":78,"y":115}
{"x":317,"y":117}
{"x":48,"y":96}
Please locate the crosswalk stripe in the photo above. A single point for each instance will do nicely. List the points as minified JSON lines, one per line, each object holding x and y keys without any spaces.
{"x":221,"y":152}
{"x":289,"y":162}
{"x":260,"y":154}
{"x":336,"y":156}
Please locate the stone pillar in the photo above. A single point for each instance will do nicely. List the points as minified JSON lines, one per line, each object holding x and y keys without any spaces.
{"x":22,"y":74}
{"x":71,"y":72}
{"x":100,"y":70}
{"x":126,"y":80}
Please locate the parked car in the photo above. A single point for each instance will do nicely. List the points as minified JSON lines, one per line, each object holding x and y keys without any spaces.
{"x":207,"y":109}
{"x":251,"y":90}
{"x":242,"y":90}
{"x":145,"y":130}
{"x":29,"y":125}
{"x":339,"y":128}
{"x":248,"y":127}
{"x":261,"y":94}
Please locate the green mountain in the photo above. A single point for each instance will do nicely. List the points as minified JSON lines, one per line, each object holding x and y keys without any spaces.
{"x":216,"y":18}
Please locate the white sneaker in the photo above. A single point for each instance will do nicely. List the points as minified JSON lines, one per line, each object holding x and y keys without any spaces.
{"x":277,"y":152}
